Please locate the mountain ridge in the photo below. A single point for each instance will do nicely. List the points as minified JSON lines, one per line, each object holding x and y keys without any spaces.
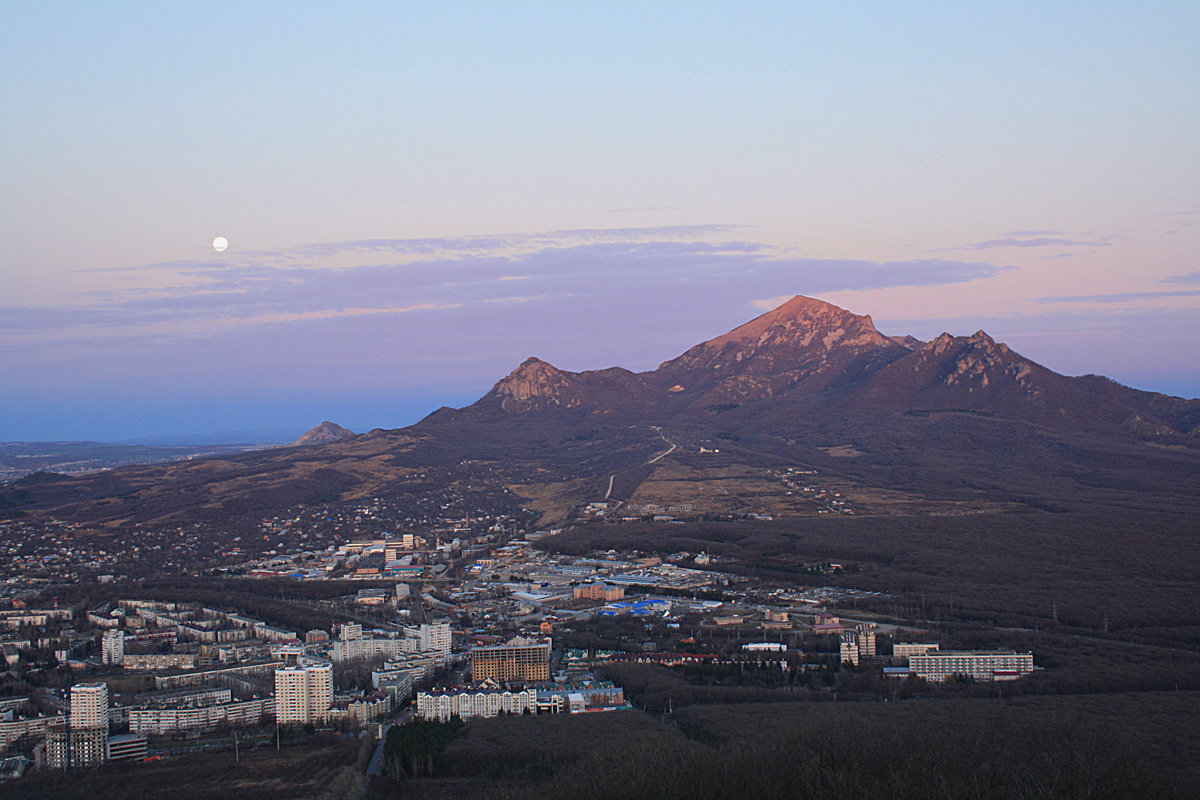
{"x":957,"y":423}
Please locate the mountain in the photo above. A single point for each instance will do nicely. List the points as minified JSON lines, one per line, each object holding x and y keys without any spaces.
{"x":832,"y":363}
{"x":959,"y":424}
{"x":325,"y":433}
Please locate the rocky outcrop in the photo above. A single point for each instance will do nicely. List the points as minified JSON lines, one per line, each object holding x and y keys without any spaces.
{"x":325,"y":433}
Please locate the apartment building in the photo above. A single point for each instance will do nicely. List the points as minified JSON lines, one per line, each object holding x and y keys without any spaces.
{"x":112,"y":647}
{"x":474,"y":703}
{"x":303,"y":694}
{"x":520,"y":659}
{"x":980,"y":665}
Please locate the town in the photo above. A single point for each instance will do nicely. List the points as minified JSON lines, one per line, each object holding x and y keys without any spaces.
{"x":470,"y":618}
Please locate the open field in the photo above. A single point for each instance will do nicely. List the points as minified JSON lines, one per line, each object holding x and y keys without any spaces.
{"x":293,"y":773}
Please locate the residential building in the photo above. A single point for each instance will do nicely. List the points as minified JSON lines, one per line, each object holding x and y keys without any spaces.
{"x":12,"y":730}
{"x":112,"y":647}
{"x":902,"y":651}
{"x":598,"y":591}
{"x":520,"y":659}
{"x":483,"y":702}
{"x":303,"y":694}
{"x":170,"y":719}
{"x":980,"y":665}
{"x":89,"y":706}
{"x":849,"y":649}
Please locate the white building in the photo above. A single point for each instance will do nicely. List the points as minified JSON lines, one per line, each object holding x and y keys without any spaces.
{"x":434,"y":636}
{"x":112,"y":647}
{"x":849,"y":648}
{"x":475,"y":703}
{"x":430,"y":638}
{"x":906,"y":650}
{"x":167,"y":720}
{"x":980,"y":665}
{"x":303,"y":694}
{"x":89,"y":706}
{"x":858,"y":645}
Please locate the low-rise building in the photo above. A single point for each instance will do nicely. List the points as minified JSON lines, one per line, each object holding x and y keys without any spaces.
{"x":598,"y":591}
{"x":177,"y":718}
{"x":482,"y":702}
{"x":980,"y":665}
{"x":902,"y":651}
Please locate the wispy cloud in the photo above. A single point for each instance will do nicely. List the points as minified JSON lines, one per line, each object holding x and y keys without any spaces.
{"x":1191,"y":277}
{"x":1118,"y":297}
{"x":407,"y":276}
{"x":1039,"y":241}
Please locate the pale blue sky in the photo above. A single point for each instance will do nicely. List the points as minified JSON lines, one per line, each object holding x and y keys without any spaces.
{"x":594,"y":184}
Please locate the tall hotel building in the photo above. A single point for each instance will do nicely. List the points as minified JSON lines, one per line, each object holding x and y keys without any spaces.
{"x":303,"y":694}
{"x":517,"y":660}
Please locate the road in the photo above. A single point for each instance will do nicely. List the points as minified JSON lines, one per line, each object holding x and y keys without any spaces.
{"x":375,"y":766}
{"x":667,"y":453}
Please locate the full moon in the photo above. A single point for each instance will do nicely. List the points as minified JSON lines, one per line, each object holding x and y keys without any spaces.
{"x":220,"y":243}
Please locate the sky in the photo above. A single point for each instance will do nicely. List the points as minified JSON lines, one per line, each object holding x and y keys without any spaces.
{"x":418,"y":196}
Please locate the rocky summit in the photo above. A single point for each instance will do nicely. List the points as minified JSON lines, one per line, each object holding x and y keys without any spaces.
{"x":325,"y":433}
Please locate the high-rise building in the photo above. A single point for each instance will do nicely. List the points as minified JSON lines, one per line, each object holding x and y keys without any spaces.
{"x":112,"y":647}
{"x":89,"y":706}
{"x":520,"y":659}
{"x":858,"y":645}
{"x":433,"y":637}
{"x":303,"y":694}
{"x":849,"y":648}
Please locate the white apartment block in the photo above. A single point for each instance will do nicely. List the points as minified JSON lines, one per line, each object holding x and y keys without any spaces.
{"x":858,"y":645}
{"x":849,"y":649}
{"x":434,"y":638}
{"x":906,"y":650}
{"x":980,"y":665}
{"x":351,"y":649}
{"x":166,"y":720}
{"x":89,"y":706}
{"x":479,"y":703}
{"x":303,"y":694}
{"x":112,"y":647}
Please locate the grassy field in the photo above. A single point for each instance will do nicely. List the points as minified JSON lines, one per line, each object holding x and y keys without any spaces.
{"x":293,"y":773}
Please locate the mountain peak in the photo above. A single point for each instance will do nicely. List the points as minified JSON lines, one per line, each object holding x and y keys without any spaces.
{"x":803,"y":321}
{"x":536,"y":383}
{"x":325,"y":433}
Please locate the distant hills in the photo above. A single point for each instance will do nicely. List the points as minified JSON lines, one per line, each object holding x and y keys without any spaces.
{"x":958,"y":424}
{"x":325,"y":433}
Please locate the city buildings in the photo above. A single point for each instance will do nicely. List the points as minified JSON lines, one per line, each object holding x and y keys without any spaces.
{"x":520,"y":659}
{"x":598,"y":591}
{"x":89,"y":706}
{"x":902,"y":651}
{"x":483,"y":702}
{"x":980,"y":665}
{"x":112,"y":647}
{"x":303,"y":694}
{"x":858,"y":645}
{"x":160,"y":720}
